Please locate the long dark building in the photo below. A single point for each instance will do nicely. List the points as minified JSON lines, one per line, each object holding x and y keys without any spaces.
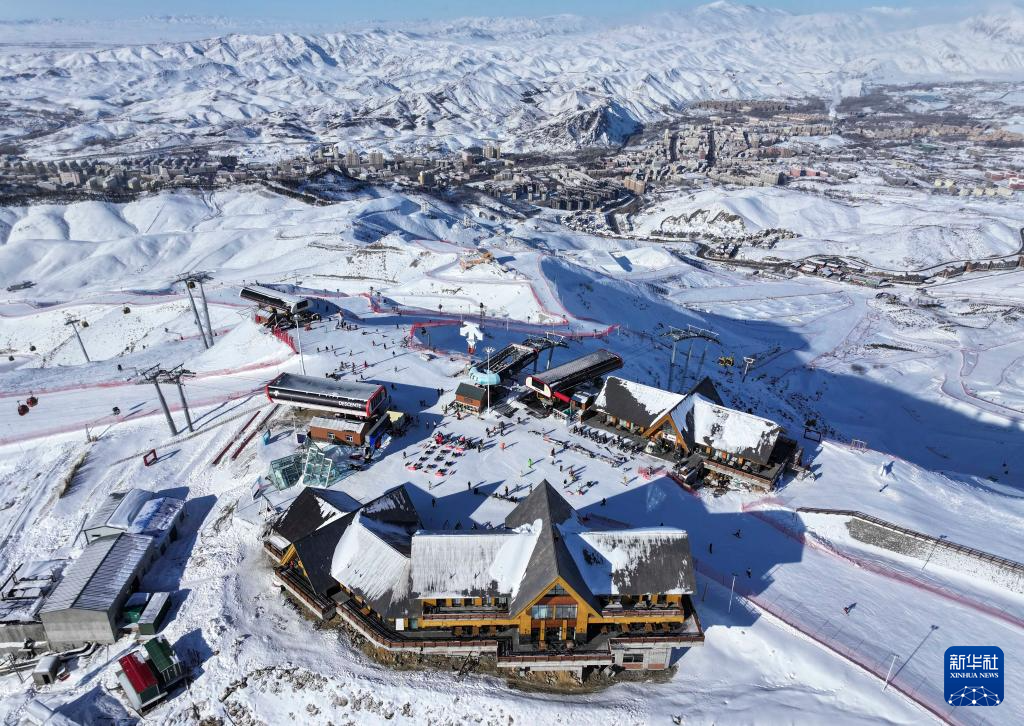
{"x":352,"y":400}
{"x":557,"y":382}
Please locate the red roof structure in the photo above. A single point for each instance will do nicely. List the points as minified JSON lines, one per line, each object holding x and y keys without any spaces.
{"x":139,"y":674}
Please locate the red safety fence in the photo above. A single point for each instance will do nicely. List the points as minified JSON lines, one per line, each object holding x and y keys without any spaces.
{"x":285,"y":338}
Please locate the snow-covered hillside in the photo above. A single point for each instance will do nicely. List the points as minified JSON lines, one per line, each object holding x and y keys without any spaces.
{"x":888,"y":231}
{"x":930,"y":391}
{"x":551,"y":82}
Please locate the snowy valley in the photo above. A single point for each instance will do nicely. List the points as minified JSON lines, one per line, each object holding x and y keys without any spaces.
{"x":793,"y":244}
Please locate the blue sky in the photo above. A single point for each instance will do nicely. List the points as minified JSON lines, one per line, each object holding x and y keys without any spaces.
{"x":342,"y":10}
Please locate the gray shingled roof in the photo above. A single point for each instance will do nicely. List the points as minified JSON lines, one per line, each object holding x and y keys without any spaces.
{"x":316,"y":549}
{"x":97,"y":577}
{"x":316,"y":546}
{"x":543,"y":503}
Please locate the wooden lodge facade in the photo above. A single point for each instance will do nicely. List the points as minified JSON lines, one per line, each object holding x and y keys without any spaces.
{"x":543,"y":593}
{"x":471,"y":397}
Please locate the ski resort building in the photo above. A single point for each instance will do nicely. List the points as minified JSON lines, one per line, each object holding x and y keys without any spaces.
{"x":546,"y":592}
{"x":86,"y":606}
{"x":136,"y":511}
{"x":727,"y":445}
{"x":124,"y":536}
{"x":311,"y":510}
{"x":345,"y":399}
{"x":741,"y":447}
{"x":470,"y":397}
{"x":277,"y":309}
{"x":559,"y":382}
{"x":660,"y":417}
{"x":346,"y":431}
{"x":149,"y":673}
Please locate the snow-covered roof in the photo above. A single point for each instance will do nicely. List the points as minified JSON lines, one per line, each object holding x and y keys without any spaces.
{"x":369,"y":560}
{"x":738,"y":433}
{"x":311,"y":510}
{"x":470,"y":564}
{"x":156,"y":516}
{"x":633,"y":561}
{"x":128,"y":508}
{"x":100,"y":574}
{"x":118,"y":510}
{"x":634,"y":402}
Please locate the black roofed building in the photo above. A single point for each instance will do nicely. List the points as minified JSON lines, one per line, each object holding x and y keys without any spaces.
{"x":734,"y":446}
{"x":662,"y":417}
{"x":312,"y":509}
{"x":545,"y":592}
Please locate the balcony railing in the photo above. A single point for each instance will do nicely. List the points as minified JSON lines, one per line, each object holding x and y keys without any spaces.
{"x":299,"y":587}
{"x":633,"y":611}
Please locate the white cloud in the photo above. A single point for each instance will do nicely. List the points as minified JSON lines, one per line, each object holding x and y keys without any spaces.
{"x":890,"y":11}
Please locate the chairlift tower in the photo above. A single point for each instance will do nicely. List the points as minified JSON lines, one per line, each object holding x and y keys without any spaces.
{"x":690,"y":333}
{"x":73,"y":322}
{"x":748,"y":361}
{"x":152,"y":375}
{"x":174,"y":376}
{"x":192,"y":280}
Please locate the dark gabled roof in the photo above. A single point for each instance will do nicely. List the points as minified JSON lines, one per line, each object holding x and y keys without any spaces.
{"x":635,"y":402}
{"x":550,"y":559}
{"x":389,"y":517}
{"x":307,"y":512}
{"x":705,"y":387}
{"x":543,"y":503}
{"x":394,"y":507}
{"x":470,"y":391}
{"x":316,"y":551}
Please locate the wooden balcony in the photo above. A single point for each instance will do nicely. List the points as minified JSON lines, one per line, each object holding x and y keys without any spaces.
{"x":299,"y":588}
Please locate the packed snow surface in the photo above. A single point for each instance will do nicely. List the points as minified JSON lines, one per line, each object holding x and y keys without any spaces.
{"x":917,"y":401}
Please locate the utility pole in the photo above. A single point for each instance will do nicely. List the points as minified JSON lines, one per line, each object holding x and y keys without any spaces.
{"x":489,"y":350}
{"x":73,"y":322}
{"x":152,"y":375}
{"x":298,"y":341}
{"x":191,"y":279}
{"x":174,"y":376}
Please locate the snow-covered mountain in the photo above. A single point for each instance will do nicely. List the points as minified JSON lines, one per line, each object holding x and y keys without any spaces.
{"x":550,"y":82}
